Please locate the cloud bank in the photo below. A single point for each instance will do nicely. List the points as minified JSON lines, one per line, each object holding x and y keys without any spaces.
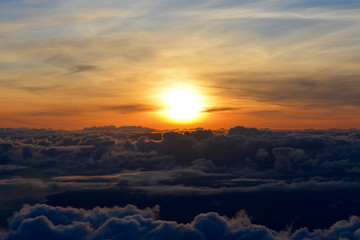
{"x":209,"y":170}
{"x":46,"y":222}
{"x":246,"y":152}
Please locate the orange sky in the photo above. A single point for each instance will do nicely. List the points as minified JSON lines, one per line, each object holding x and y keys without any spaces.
{"x":69,"y":65}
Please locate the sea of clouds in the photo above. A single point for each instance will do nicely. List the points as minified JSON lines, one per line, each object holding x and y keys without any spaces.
{"x":208,"y":166}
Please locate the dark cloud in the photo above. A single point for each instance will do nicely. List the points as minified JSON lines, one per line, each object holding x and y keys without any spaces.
{"x":72,"y":111}
{"x":240,"y":143}
{"x":70,"y":63}
{"x":134,"y":160}
{"x":22,"y":85}
{"x":54,"y":112}
{"x":81,"y":68}
{"x":220,"y":109}
{"x":10,"y":168}
{"x":292,"y":90}
{"x":130,"y":108}
{"x":132,"y":223}
{"x":303,"y":153}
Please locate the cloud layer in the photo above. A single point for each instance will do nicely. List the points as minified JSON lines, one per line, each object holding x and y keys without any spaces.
{"x":46,"y":222}
{"x":218,"y":170}
{"x":247,"y":152}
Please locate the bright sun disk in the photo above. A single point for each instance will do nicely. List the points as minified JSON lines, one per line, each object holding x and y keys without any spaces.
{"x":182,"y":105}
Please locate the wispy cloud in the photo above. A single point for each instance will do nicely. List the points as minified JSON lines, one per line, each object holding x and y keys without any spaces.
{"x":220,"y":109}
{"x":81,"y":68}
{"x":244,"y":12}
{"x":130,"y":108}
{"x":257,"y":53}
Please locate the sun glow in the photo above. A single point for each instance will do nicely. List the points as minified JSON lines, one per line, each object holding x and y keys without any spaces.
{"x":182,"y":105}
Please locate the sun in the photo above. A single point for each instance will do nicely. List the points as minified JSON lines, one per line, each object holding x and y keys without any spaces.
{"x":182,"y":105}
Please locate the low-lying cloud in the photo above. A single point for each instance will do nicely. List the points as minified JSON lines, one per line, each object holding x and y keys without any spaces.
{"x":47,"y":222}
{"x":171,"y":166}
{"x":142,"y":153}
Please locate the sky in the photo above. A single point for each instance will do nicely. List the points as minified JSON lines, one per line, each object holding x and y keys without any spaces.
{"x":268,"y":64}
